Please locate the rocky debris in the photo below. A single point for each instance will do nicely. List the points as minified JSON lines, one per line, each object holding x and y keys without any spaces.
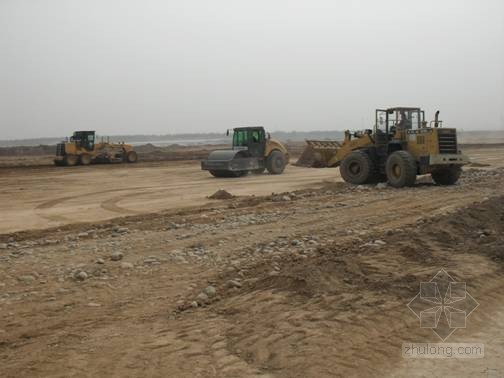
{"x":119,"y":231}
{"x":116,"y":256}
{"x":151,"y":260}
{"x":233,"y":284}
{"x":382,"y":185}
{"x":100,"y":261}
{"x":202,"y":299}
{"x":3,"y":246}
{"x":221,"y":194}
{"x":80,"y":275}
{"x":374,"y":244}
{"x":26,"y":279}
{"x":210,"y":291}
{"x":127,"y":265}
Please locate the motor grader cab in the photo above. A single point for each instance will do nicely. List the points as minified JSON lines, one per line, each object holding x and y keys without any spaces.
{"x":252,"y":150}
{"x":401,"y":146}
{"x":84,"y":139}
{"x":82,"y":148}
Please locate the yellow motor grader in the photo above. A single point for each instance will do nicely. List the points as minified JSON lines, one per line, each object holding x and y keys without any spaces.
{"x":83,"y":149}
{"x":401,"y":146}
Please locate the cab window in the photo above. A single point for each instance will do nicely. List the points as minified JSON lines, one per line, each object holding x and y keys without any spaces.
{"x":240,"y":138}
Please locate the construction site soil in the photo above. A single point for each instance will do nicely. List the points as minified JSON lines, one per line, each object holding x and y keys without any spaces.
{"x":131,"y":270}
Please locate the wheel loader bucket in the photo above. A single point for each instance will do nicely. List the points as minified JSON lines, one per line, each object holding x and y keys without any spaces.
{"x":319,"y":153}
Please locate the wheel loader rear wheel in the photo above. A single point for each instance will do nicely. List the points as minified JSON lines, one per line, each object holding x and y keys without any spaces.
{"x":275,"y":163}
{"x":446,"y":176}
{"x":131,"y":157}
{"x":357,"y":168}
{"x":71,"y":160}
{"x":85,"y":159}
{"x":401,"y":169}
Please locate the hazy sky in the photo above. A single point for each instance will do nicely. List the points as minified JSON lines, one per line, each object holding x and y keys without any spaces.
{"x":156,"y":67}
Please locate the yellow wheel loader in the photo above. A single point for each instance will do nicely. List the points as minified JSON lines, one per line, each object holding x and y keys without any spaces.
{"x":252,"y":151}
{"x":401,"y":146}
{"x":83,"y":149}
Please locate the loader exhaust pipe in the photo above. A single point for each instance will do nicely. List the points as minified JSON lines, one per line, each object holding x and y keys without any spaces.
{"x":436,"y":119}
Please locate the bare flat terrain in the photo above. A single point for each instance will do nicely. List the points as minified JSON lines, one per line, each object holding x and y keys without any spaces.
{"x":161,"y":281}
{"x":43,"y":197}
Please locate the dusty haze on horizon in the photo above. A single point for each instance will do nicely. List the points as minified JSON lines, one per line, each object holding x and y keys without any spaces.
{"x":157,"y":67}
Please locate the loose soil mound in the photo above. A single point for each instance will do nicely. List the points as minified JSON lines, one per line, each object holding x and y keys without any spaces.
{"x":221,"y":194}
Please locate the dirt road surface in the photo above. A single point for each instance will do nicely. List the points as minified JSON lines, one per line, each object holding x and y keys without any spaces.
{"x":310,"y":283}
{"x":42,"y":197}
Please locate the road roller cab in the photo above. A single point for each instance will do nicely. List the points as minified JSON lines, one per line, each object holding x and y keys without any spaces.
{"x":252,"y":151}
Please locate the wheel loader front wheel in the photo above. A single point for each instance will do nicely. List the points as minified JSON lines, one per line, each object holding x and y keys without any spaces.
{"x":401,"y":169}
{"x":357,"y":168}
{"x":71,"y":160}
{"x":446,"y":176}
{"x":275,"y":163}
{"x":85,"y":159}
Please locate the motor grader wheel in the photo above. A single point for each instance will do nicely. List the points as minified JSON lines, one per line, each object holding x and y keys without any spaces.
{"x":357,"y":168}
{"x":71,"y":160}
{"x":446,"y":175}
{"x":85,"y":159}
{"x":401,"y":169}
{"x":131,"y":157}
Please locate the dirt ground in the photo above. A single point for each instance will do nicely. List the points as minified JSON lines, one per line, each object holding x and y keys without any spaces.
{"x":311,"y":281}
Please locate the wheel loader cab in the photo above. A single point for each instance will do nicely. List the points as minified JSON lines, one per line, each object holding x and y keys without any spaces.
{"x":392,"y":121}
{"x":84,"y":139}
{"x":253,"y":139}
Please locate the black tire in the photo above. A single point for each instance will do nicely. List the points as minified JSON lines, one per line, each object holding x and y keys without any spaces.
{"x":71,"y":160}
{"x":275,"y":163}
{"x":401,"y":169}
{"x":357,"y":168}
{"x":227,"y":173}
{"x":446,"y":175}
{"x":85,"y":159}
{"x":131,"y":157}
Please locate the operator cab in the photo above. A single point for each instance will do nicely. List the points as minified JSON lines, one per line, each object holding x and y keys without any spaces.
{"x":389,"y":121}
{"x":252,"y":139}
{"x":84,"y":139}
